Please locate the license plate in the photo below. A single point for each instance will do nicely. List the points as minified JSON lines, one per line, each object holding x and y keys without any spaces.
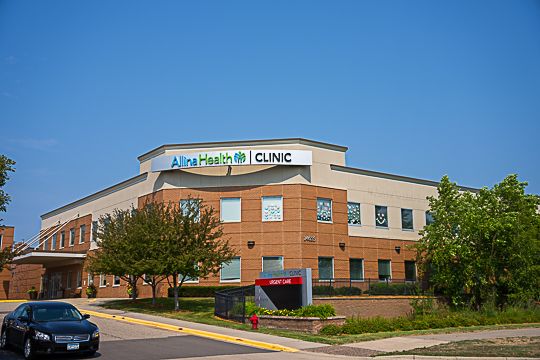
{"x":73,"y":346}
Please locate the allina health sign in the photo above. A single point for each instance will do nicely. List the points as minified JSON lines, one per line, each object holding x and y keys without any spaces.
{"x":231,"y":158}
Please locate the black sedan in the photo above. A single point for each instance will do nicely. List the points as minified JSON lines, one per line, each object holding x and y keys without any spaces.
{"x":49,"y":328}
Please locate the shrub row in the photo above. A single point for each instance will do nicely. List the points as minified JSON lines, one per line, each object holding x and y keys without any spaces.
{"x":322,"y":311}
{"x":435,"y":320}
{"x":198,"y":291}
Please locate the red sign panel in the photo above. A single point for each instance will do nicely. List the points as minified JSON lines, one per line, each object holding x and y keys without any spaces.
{"x":279,"y":281}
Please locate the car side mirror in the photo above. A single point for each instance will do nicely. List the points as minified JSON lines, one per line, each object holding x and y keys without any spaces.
{"x":86,"y":316}
{"x":23,"y":318}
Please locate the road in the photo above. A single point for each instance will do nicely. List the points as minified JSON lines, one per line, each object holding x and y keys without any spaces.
{"x":137,"y":342}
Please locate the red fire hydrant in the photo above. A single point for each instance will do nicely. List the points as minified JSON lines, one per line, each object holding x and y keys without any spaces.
{"x":254,"y":322}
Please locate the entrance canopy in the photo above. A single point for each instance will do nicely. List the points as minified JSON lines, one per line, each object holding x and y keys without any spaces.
{"x":49,"y":258}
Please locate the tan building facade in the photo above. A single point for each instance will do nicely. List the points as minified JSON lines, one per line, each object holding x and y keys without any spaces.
{"x":284,"y":203}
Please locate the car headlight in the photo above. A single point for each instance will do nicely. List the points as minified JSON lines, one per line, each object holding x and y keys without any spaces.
{"x":95,"y":334}
{"x":38,"y":335}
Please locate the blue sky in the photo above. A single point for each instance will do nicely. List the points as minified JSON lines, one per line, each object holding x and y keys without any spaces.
{"x":418,"y":88}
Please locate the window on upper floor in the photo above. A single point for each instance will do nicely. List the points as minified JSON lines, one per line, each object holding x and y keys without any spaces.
{"x":272,"y":208}
{"x":381,"y":216}
{"x":231,"y":210}
{"x":94,"y":231}
{"x":191,"y":205}
{"x":353,"y":211}
{"x":429,"y":218}
{"x":407,"y":219}
{"x":62,"y":239}
{"x":53,"y":242}
{"x":82,"y":233}
{"x":71,"y":237}
{"x":46,"y":244}
{"x":324,"y":210}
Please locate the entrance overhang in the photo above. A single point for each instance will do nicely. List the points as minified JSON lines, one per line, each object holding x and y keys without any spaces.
{"x":49,"y":258}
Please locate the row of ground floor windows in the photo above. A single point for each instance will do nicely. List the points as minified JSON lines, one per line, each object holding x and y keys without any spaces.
{"x":231,"y":272}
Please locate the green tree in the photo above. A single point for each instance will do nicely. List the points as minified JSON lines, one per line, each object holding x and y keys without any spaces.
{"x":121,"y":251}
{"x":483,"y":246}
{"x":6,"y":166}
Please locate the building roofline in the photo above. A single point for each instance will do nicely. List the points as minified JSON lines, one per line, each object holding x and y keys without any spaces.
{"x":394,"y":177}
{"x":161,"y":149}
{"x":107,"y":191}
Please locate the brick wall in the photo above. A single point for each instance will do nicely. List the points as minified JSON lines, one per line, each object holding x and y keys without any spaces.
{"x":7,"y":233}
{"x":366,"y":307}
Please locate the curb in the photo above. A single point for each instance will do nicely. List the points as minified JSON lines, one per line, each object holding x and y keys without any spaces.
{"x":201,"y":333}
{"x":12,"y":301}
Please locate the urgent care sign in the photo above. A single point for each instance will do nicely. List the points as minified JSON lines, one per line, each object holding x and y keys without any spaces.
{"x":279,"y":281}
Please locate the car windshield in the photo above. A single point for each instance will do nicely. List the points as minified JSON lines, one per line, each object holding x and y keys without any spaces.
{"x":56,"y":314}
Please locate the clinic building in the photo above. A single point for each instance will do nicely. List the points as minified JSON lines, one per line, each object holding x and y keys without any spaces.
{"x":284,"y":203}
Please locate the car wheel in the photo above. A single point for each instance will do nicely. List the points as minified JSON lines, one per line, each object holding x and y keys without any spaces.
{"x":3,"y":340}
{"x":28,"y":349}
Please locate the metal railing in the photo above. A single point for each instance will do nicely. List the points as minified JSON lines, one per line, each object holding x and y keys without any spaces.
{"x":231,"y":303}
{"x":367,"y":286}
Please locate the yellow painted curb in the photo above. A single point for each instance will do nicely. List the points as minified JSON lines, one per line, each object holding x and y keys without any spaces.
{"x":201,"y":333}
{"x":12,"y":301}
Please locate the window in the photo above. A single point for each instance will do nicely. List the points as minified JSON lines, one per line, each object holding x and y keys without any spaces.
{"x":90,"y":279}
{"x":429,"y":218}
{"x":230,"y":272}
{"x":0,"y":241}
{"x":230,"y":209}
{"x":353,"y":210}
{"x":82,"y":233}
{"x":62,"y":239}
{"x":102,"y":280}
{"x":71,"y":237}
{"x":53,"y":242}
{"x":407,"y":219}
{"x":189,"y":279}
{"x":94,"y":231}
{"x":146,"y":279}
{"x":272,"y":208}
{"x":272,"y":263}
{"x":381,"y":216}
{"x":324,"y":210}
{"x":46,"y":244}
{"x":186,"y":204}
{"x":79,"y":279}
{"x":356,"y":269}
{"x":116,"y":280}
{"x":68,"y":280}
{"x":410,"y":271}
{"x":385,"y":270}
{"x":326,"y":268}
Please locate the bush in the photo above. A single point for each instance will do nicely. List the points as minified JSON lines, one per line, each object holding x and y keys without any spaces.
{"x":438,"y":319}
{"x":384,"y":288}
{"x":333,"y":291}
{"x":198,"y":291}
{"x":331,"y":330}
{"x":321,"y":311}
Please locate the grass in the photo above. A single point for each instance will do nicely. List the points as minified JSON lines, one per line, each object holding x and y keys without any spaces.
{"x":515,"y":347}
{"x":201,"y":310}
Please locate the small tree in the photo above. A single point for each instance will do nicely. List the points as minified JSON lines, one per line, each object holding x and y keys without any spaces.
{"x":6,"y":166}
{"x":192,"y":243}
{"x":121,"y":251}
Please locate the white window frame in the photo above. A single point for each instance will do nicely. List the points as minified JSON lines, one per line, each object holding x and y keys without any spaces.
{"x":54,"y":240}
{"x":267,"y":256}
{"x":101,"y":278}
{"x":93,"y":231}
{"x":363,"y":270}
{"x":232,"y":281}
{"x":114,"y":281}
{"x":331,"y":211}
{"x":262,"y":207}
{"x":401,"y":216}
{"x":387,"y":227}
{"x":221,"y":210}
{"x":90,"y":279}
{"x":72,"y":237}
{"x":144,"y":282}
{"x":62,"y":240}
{"x":81,"y":236}
{"x":78,"y":280}
{"x":333,"y":268}
{"x":359,"y":207}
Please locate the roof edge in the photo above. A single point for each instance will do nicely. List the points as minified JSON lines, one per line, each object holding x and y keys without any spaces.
{"x":111,"y":189}
{"x":394,"y":177}
{"x":161,"y":149}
